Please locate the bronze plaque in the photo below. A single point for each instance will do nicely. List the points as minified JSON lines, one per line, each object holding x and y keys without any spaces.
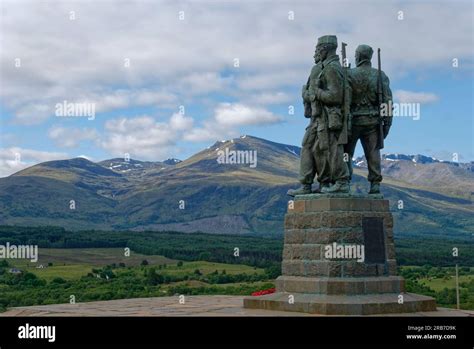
{"x":374,"y":239}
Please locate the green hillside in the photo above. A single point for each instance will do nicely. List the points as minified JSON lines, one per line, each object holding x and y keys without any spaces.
{"x":200,"y":194}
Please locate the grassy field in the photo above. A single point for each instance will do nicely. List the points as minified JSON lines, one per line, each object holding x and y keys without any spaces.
{"x":106,"y":273}
{"x":71,"y":264}
{"x":438,"y":284}
{"x":93,"y":274}
{"x":209,"y":267}
{"x":96,"y":257}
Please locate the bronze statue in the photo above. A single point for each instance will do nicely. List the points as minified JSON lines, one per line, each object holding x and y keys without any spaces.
{"x":370,"y":88}
{"x":344,"y":105}
{"x":327,"y":132}
{"x":308,"y":162}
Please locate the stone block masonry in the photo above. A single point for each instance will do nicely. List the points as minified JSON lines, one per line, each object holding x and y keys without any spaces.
{"x":339,"y":259}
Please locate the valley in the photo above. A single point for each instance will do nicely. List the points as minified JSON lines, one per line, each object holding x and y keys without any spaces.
{"x":225,"y":198}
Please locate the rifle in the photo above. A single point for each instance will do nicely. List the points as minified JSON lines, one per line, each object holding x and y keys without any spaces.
{"x":380,"y":143}
{"x":307,"y":105}
{"x":346,"y":118}
{"x":324,"y":137}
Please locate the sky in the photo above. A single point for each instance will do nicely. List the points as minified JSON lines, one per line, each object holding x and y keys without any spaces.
{"x":169,"y":78}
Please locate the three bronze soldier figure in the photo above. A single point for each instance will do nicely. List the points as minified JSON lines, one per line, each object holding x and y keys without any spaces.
{"x":343,"y":106}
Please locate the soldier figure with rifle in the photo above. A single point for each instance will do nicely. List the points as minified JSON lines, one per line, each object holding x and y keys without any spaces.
{"x":323,"y":151}
{"x":312,"y":111}
{"x":370,"y":89}
{"x":332,"y":124}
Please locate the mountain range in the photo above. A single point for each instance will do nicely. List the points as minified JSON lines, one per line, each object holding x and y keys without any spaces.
{"x":202,"y":194}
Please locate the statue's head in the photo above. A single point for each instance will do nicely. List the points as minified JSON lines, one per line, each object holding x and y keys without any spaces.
{"x":363,"y":53}
{"x":326,"y":46}
{"x":317,"y":57}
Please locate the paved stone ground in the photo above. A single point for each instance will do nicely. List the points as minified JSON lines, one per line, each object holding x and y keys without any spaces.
{"x":169,"y":306}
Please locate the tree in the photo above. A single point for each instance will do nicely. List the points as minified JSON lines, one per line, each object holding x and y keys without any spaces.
{"x":204,"y":256}
{"x":153,"y":278}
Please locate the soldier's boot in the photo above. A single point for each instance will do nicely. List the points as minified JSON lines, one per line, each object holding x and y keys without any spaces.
{"x":374,"y":188}
{"x":338,"y":187}
{"x":305,"y":189}
{"x":321,"y":187}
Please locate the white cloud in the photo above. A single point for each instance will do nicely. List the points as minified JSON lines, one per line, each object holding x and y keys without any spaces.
{"x":190,"y":62}
{"x":157,"y":98}
{"x":404,"y":96}
{"x":34,"y":113}
{"x":179,"y":122}
{"x":124,"y":98}
{"x":267,"y":98}
{"x":117,"y":100}
{"x":268,"y":80}
{"x":178,"y":60}
{"x":143,"y":137}
{"x":209,"y":132}
{"x":235,"y":114}
{"x":227,"y":119}
{"x":71,"y":137}
{"x":14,"y":159}
{"x":203,"y":83}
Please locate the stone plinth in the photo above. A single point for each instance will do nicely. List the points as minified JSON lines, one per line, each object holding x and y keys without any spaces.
{"x":323,"y":273}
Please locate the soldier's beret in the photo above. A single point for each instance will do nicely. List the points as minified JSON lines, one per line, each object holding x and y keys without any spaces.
{"x":365,"y":50}
{"x":327,"y":39}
